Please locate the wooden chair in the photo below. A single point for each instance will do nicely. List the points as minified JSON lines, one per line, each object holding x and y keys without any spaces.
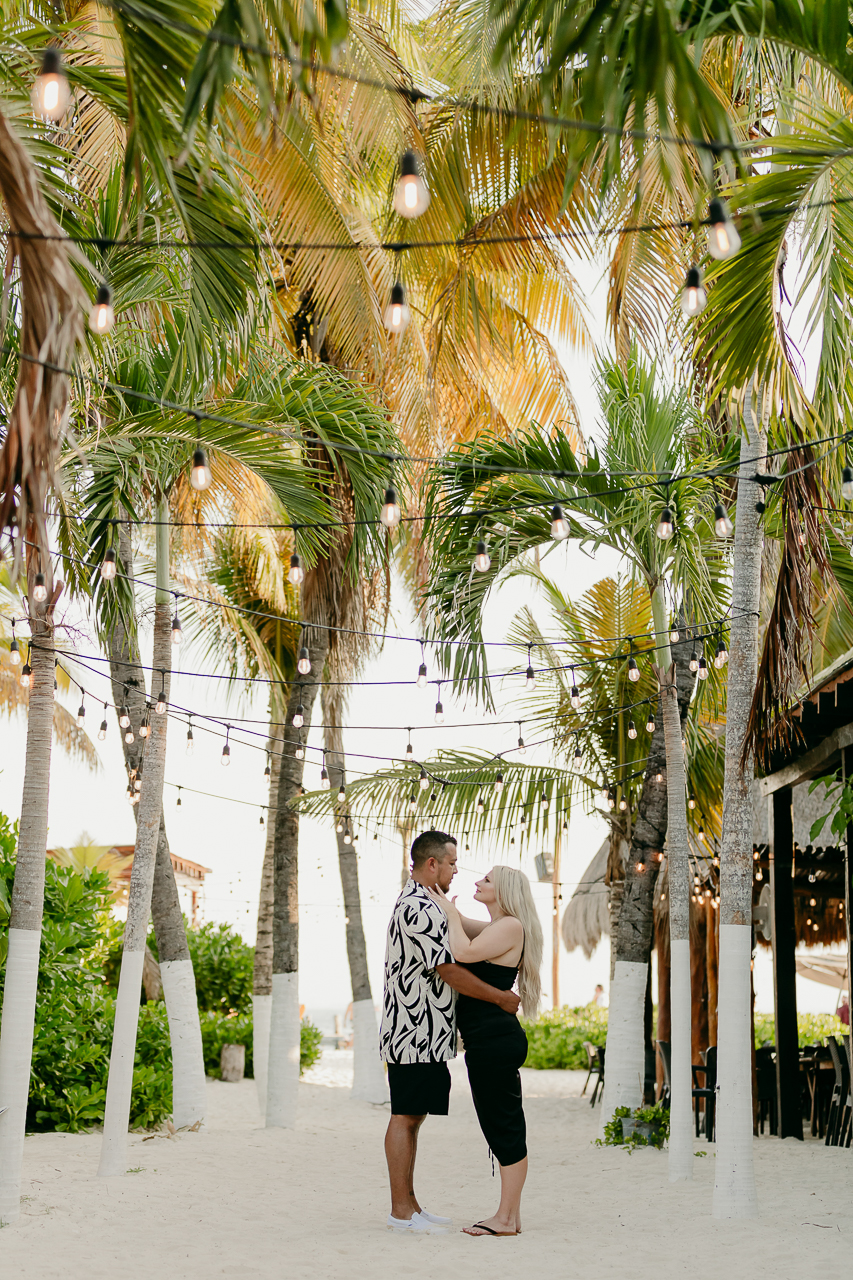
{"x":707,"y":1092}
{"x":595,"y":1058}
{"x":592,"y":1063}
{"x":765,"y":1072}
{"x":665,"y":1062}
{"x":839,"y":1108}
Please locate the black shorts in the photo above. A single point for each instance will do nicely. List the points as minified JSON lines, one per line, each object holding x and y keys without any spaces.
{"x":419,"y":1088}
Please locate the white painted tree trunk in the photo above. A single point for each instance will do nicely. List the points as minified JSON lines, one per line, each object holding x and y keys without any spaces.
{"x":21,"y":983}
{"x":284,"y":1047}
{"x":261,"y":1015}
{"x":120,"y":1083}
{"x":189,"y":1084}
{"x":626,"y":1051}
{"x":735,"y":1193}
{"x":369,"y":1082}
{"x":677,"y":852}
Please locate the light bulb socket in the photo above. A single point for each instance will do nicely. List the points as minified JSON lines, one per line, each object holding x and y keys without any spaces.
{"x":51,"y":62}
{"x":409,"y":167}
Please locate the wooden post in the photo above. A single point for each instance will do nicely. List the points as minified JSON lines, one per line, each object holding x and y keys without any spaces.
{"x":555,"y":918}
{"x":848,"y":900}
{"x":711,"y":967}
{"x":784,"y":964}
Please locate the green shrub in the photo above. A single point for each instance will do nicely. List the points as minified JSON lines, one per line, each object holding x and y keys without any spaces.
{"x":812,"y":1028}
{"x":555,"y":1038}
{"x":657,"y":1116}
{"x":309,"y":1045}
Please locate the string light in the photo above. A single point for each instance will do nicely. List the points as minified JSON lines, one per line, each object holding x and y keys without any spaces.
{"x":347,"y":833}
{"x":51,"y":91}
{"x":14,"y":649}
{"x":423,"y":780}
{"x":339,"y":825}
{"x":693,"y":295}
{"x":559,"y":523}
{"x":722,"y":654}
{"x":544,"y":800}
{"x":439,"y":709}
{"x":81,"y":711}
{"x":623,"y":805}
{"x":261,"y":820}
{"x":523,"y":821}
{"x":178,"y":802}
{"x":658,"y":777}
{"x":499,"y":783}
{"x":411,"y":194}
{"x":226,"y":750}
{"x":723,"y":239}
{"x":190,"y":744}
{"x":481,"y":805}
{"x":303,"y":665}
{"x":666,"y":525}
{"x":409,"y":749}
{"x":413,"y":803}
{"x":640,"y":866}
{"x":694,"y":662}
{"x":703,"y":668}
{"x":421,"y":681}
{"x":177,"y":633}
{"x":342,"y":793}
{"x":296,"y":574}
{"x":128,"y":735}
{"x":39,"y":589}
{"x":26,"y":671}
{"x":102,"y":317}
{"x":397,"y":314}
{"x":650,"y":720}
{"x":299,"y":714}
{"x":102,"y":732}
{"x":108,"y":564}
{"x":482,"y":559}
{"x":691,"y":803}
{"x":633,"y":670}
{"x":847,"y":484}
{"x":324,"y":776}
{"x":632,"y":730}
{"x":575,"y":697}
{"x":522,"y":750}
{"x":674,"y":635}
{"x":124,"y":715}
{"x":145,"y":727}
{"x":390,"y":515}
{"x":160,"y":706}
{"x":577,"y":758}
{"x":200,"y":477}
{"x":267,"y":769}
{"x":530,"y":674}
{"x":723,"y":526}
{"x":299,"y":751}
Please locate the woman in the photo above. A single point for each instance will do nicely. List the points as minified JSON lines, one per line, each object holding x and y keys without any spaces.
{"x":495,"y":1043}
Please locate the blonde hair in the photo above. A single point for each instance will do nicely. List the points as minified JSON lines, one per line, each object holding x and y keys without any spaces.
{"x":513,"y":896}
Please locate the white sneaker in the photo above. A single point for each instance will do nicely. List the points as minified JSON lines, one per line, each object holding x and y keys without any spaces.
{"x":415,"y":1223}
{"x":435,"y":1219}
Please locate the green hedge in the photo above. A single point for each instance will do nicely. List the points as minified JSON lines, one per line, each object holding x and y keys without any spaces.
{"x":555,"y":1038}
{"x":812,"y":1028}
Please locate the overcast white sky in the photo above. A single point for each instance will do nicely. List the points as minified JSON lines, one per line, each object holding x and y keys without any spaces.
{"x":226,"y":836}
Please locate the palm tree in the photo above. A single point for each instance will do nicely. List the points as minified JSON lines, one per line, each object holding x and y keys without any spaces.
{"x":649,"y":435}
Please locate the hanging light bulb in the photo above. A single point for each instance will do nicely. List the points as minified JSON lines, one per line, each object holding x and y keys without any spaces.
{"x":296,"y":573}
{"x":145,"y":727}
{"x":421,"y":681}
{"x":658,"y":777}
{"x":324,"y":777}
{"x":423,"y":780}
{"x":559,"y":523}
{"x":703,"y":668}
{"x":522,"y":750}
{"x":575,"y":697}
{"x":482,"y":559}
{"x":26,"y":673}
{"x":342,"y":794}
{"x":722,"y":655}
{"x":481,"y":805}
{"x":632,"y":730}
{"x":102,"y":732}
{"x":303,"y":666}
{"x":39,"y":589}
{"x":577,"y":758}
{"x":397,"y":313}
{"x":723,"y":239}
{"x":390,"y":515}
{"x":347,"y":834}
{"x":723,"y":526}
{"x":694,"y":662}
{"x":190,"y":743}
{"x":413,"y":803}
{"x":650,"y":721}
{"x":633,"y":670}
{"x":439,"y":709}
{"x":701,"y":834}
{"x":666,"y":525}
{"x":523,"y":822}
{"x":411,"y":195}
{"x":339,"y":825}
{"x":691,"y":803}
{"x":674,"y":635}
{"x":108,"y":564}
{"x":124,"y":715}
{"x":177,"y":633}
{"x":623,"y":805}
{"x":160,"y":705}
{"x":298,"y":717}
{"x":499,"y":783}
{"x":261,"y":821}
{"x":409,"y":748}
{"x":102,"y":317}
{"x":530,"y":681}
{"x":847,"y":484}
{"x":137,"y":782}
{"x":81,"y":711}
{"x":545,"y":801}
{"x":200,"y":477}
{"x":299,"y":752}
{"x":693,"y":295}
{"x":611,"y":800}
{"x":226,"y":750}
{"x":267,"y":769}
{"x":179,"y":802}
{"x":128,"y":736}
{"x":51,"y":91}
{"x":14,"y":649}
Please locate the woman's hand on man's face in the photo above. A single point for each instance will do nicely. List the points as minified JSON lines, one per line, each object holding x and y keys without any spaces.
{"x":448,"y":905}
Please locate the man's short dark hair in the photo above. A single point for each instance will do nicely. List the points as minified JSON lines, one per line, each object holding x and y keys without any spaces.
{"x":430,"y":844}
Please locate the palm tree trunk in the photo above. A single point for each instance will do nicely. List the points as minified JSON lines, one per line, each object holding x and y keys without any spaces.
{"x":24,"y":937}
{"x":678,"y":862}
{"x":283,"y":1066}
{"x":189,"y":1090}
{"x":369,"y":1082}
{"x":262,"y":979}
{"x":120,"y":1082}
{"x":734,"y":1184}
{"x":633,"y":934}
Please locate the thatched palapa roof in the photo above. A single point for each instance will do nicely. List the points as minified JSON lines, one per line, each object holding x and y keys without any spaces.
{"x":587,"y":917}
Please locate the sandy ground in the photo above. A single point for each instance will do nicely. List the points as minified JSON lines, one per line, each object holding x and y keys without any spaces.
{"x":239,"y":1200}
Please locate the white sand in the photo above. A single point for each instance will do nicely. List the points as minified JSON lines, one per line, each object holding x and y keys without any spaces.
{"x":238,"y":1200}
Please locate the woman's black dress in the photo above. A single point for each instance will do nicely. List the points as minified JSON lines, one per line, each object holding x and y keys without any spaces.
{"x":495,"y":1047}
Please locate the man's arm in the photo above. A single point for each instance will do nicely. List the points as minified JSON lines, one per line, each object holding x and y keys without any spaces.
{"x":468,"y":984}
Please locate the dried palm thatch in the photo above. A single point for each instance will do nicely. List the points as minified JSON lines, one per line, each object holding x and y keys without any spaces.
{"x":586,"y":920}
{"x":50,"y":326}
{"x":786,"y":656}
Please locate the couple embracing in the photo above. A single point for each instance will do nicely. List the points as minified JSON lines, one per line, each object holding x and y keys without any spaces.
{"x":443,"y":972}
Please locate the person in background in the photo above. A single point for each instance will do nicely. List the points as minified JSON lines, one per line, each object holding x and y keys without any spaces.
{"x":417,"y":1035}
{"x":598,"y":996}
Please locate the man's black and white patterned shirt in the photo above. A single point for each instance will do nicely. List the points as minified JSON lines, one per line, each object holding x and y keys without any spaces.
{"x":419,"y":1009}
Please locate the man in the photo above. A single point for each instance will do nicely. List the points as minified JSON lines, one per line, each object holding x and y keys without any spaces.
{"x":418,"y":1031}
